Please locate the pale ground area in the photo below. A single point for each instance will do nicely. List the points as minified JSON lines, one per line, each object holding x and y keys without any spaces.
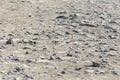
{"x":59,"y":39}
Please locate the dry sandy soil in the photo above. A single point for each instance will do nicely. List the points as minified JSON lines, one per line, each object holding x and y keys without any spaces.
{"x":59,"y":39}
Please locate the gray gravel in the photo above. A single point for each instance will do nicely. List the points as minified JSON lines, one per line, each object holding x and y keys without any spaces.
{"x":59,"y":39}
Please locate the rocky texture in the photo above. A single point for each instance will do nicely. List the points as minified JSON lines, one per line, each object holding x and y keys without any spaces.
{"x":59,"y":39}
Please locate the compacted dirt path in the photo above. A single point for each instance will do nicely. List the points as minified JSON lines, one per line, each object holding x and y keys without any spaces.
{"x":59,"y":39}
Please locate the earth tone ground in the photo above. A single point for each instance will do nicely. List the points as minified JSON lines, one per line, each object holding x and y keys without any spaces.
{"x":59,"y":39}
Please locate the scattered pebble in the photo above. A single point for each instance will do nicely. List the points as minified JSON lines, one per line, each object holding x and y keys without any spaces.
{"x":9,"y":41}
{"x":59,"y":40}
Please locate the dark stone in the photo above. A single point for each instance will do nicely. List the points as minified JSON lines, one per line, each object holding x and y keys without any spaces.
{"x":105,"y":51}
{"x":15,"y":59}
{"x":17,"y":69}
{"x":28,"y":61}
{"x":48,"y":36}
{"x":110,"y":28}
{"x":86,"y":43}
{"x":111,"y":37}
{"x":10,"y":35}
{"x":54,"y":54}
{"x":86,"y":24}
{"x":112,"y":49}
{"x":74,"y":16}
{"x":67,"y":33}
{"x":95,"y":64}
{"x":27,"y":77}
{"x":62,"y":12}
{"x":63,"y":72}
{"x":51,"y":58}
{"x":25,"y":48}
{"x":9,"y":41}
{"x":100,"y":57}
{"x":76,"y":51}
{"x":44,"y":49}
{"x":70,"y":55}
{"x":75,"y":31}
{"x":27,"y":52}
{"x":77,"y":69}
{"x":58,"y":58}
{"x":32,"y":42}
{"x":30,"y":16}
{"x":61,"y":17}
{"x":55,"y":42}
{"x":83,"y":49}
{"x":36,"y":34}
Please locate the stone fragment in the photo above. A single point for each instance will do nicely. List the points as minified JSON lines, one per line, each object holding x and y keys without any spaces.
{"x":77,"y":69}
{"x":9,"y":41}
{"x":95,"y":64}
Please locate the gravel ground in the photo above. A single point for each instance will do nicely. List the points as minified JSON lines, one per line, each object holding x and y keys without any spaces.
{"x":59,"y":39}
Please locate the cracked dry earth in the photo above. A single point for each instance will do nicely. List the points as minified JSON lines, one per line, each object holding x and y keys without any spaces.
{"x":59,"y":39}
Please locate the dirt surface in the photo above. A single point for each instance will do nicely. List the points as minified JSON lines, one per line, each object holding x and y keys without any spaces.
{"x":59,"y":39}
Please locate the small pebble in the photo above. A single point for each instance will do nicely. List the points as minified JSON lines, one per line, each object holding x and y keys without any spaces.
{"x":95,"y":64}
{"x":9,"y":41}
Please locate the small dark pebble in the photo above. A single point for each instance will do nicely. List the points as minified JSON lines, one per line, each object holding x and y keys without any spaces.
{"x":51,"y":58}
{"x":83,"y":49}
{"x":111,"y":37}
{"x":105,"y":51}
{"x":75,"y":31}
{"x":9,"y":41}
{"x":10,"y":35}
{"x":100,"y":56}
{"x":76,"y":51}
{"x":95,"y":64}
{"x":27,"y":77}
{"x":17,"y":69}
{"x":36,"y":34}
{"x":32,"y":42}
{"x":30,"y":16}
{"x":73,"y":16}
{"x":27,"y":52}
{"x":86,"y":43}
{"x":54,"y":54}
{"x":55,"y":42}
{"x":28,"y":61}
{"x":63,"y":72}
{"x":61,"y":17}
{"x":25,"y":48}
{"x":13,"y":58}
{"x":70,"y":55}
{"x":58,"y":58}
{"x":63,"y":12}
{"x":112,"y":49}
{"x":16,"y":59}
{"x":44,"y":49}
{"x":67,"y":33}
{"x":86,"y":24}
{"x":77,"y":69}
